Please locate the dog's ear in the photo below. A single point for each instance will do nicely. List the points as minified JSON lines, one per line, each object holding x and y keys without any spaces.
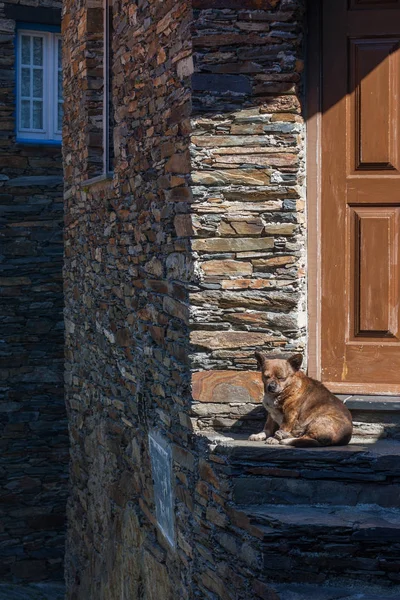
{"x":261,"y":360}
{"x":295,"y":361}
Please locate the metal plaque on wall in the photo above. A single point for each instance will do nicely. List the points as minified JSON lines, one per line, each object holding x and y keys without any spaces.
{"x":161,"y":466}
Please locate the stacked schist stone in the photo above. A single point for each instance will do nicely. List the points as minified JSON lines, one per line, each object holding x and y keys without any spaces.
{"x":248,"y":240}
{"x":177,"y":269}
{"x":33,"y":439}
{"x":126,"y":284}
{"x":247,"y":150}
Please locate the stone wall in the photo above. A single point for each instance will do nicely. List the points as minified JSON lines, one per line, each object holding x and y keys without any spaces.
{"x":247,"y":150}
{"x":83,"y":81}
{"x":34,"y":441}
{"x":177,"y":268}
{"x":127,"y":272}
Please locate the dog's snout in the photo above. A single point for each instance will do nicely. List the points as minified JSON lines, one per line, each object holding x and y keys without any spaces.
{"x":272,"y":387}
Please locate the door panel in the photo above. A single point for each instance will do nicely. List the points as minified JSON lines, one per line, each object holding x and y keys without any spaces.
{"x":374,"y":79}
{"x":374,"y":273}
{"x":360,"y":197}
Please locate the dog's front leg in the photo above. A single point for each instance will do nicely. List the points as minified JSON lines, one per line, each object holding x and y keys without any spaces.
{"x":285,"y":430}
{"x":269,"y":429}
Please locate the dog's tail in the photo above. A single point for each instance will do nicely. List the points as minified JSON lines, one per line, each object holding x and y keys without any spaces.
{"x":304,"y":441}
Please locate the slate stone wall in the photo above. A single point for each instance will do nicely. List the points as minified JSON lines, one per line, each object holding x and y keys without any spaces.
{"x":247,"y":152}
{"x":199,"y":226}
{"x":127,"y":272}
{"x":83,"y":91}
{"x":33,"y":439}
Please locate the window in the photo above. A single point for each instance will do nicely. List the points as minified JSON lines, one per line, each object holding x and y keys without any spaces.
{"x":39,"y":85}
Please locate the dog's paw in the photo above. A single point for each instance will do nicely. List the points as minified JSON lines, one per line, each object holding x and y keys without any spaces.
{"x":281,"y":435}
{"x":271,"y":441}
{"x":258,"y":437}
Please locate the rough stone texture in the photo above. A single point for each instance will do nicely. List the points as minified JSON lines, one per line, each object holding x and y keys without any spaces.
{"x":126,"y":284}
{"x":248,"y":188}
{"x":183,"y":263}
{"x":201,"y":223}
{"x":282,"y":540}
{"x":44,"y":591}
{"x":327,"y":592}
{"x":180,"y":265}
{"x":222,"y":386}
{"x":34,"y":441}
{"x":314,"y":543}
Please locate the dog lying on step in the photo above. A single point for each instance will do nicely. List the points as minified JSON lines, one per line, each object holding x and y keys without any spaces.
{"x":301,"y":411}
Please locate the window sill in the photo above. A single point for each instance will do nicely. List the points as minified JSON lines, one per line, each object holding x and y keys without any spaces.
{"x":99,"y":179}
{"x":39,"y":142}
{"x":87,"y":183}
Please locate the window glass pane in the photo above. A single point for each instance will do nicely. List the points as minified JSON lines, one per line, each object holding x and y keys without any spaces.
{"x":60,"y":116}
{"x":38,"y":51}
{"x":37,"y":115}
{"x":60,"y":112}
{"x":60,"y":85}
{"x":25,"y":82}
{"x":38,"y":83}
{"x":25,"y":49}
{"x":40,"y":101}
{"x":25,"y":114}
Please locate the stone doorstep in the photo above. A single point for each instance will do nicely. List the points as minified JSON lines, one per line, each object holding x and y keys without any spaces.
{"x":334,"y":592}
{"x":371,"y":403}
{"x":348,"y":475}
{"x":239,"y":449}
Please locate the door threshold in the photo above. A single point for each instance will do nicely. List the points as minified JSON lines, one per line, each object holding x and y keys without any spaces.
{"x":370,"y":402}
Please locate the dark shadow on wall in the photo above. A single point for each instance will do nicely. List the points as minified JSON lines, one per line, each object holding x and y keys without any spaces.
{"x":252,"y":72}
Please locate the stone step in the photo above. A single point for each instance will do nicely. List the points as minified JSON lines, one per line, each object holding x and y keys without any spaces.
{"x":315,"y":487}
{"x":359,"y":591}
{"x":33,"y":591}
{"x":312,"y":544}
{"x":349,"y":475}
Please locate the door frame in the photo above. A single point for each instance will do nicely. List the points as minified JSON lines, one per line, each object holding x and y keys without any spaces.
{"x":313,"y":118}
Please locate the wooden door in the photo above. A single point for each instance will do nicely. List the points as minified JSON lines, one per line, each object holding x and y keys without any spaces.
{"x":360,"y":196}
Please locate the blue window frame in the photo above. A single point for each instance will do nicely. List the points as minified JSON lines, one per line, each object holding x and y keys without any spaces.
{"x":39,"y":97}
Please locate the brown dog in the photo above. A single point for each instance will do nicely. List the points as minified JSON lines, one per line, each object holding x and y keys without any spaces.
{"x":301,"y":411}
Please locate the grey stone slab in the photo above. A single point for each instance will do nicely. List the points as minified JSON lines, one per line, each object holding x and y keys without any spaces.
{"x":34,"y":14}
{"x":39,"y":591}
{"x":300,"y":592}
{"x":41,"y":180}
{"x":240,"y":449}
{"x":221,"y":83}
{"x":361,"y":518}
{"x":326,"y":592}
{"x":371,"y":403}
{"x":294,"y":490}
